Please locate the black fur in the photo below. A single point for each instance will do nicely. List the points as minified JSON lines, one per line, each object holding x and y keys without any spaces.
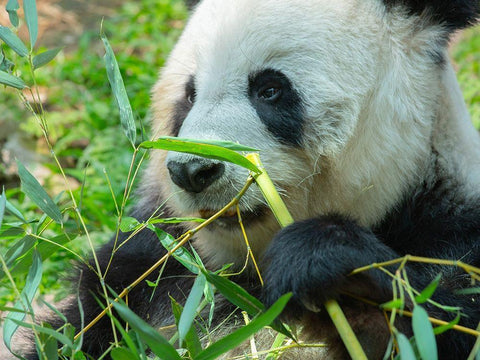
{"x":312,"y":259}
{"x":283,"y":115}
{"x":454,"y":14}
{"x":191,"y":3}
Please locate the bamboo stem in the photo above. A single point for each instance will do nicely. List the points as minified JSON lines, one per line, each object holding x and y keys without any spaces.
{"x":284,"y":218}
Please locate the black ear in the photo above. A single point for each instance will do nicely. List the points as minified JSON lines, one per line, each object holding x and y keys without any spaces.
{"x":191,"y":3}
{"x":453,"y":14}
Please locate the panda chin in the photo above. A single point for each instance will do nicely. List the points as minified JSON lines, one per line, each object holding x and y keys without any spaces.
{"x":230,"y":218}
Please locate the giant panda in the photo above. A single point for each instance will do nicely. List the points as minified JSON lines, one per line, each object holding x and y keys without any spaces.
{"x":360,"y":123}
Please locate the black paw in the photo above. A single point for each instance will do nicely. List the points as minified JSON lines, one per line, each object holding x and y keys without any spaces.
{"x":312,"y":259}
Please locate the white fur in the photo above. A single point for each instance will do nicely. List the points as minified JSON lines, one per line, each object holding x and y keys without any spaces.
{"x":375,"y":103}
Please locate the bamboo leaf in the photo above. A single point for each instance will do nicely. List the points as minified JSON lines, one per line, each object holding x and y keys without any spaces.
{"x":442,"y":328}
{"x":236,"y":294}
{"x":224,"y":144}
{"x":190,"y":309}
{"x":424,"y":336}
{"x":202,"y":149}
{"x":34,"y":276}
{"x":192,"y":342}
{"x":19,"y":249}
{"x":122,"y":354}
{"x":45,"y":330}
{"x":129,"y":224}
{"x":119,"y":92}
{"x":3,"y":204}
{"x":50,"y":344}
{"x":157,"y":343}
{"x":45,"y":57}
{"x":12,"y":7}
{"x":30,"y":10}
{"x":237,"y":337}
{"x":12,"y":81}
{"x":427,"y":293}
{"x":14,"y":211}
{"x":36,"y":193}
{"x":393,"y":304}
{"x":13,"y":41}
{"x":45,"y":249}
{"x":181,"y":254}
{"x":405,"y":348}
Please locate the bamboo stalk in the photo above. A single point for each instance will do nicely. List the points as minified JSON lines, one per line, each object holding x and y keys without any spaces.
{"x":284,"y":218}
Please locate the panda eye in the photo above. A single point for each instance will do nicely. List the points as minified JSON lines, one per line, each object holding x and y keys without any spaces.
{"x":270,"y":92}
{"x":190,"y":91}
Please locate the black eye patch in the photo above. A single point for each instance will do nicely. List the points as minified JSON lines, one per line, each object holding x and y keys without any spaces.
{"x":277,"y":104}
{"x":183,"y":106}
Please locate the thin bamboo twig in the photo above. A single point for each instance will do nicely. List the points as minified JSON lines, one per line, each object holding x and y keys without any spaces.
{"x":182,"y":240}
{"x":284,"y":218}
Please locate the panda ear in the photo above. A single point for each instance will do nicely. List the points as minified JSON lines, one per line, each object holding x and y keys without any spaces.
{"x":191,"y":3}
{"x":453,"y":14}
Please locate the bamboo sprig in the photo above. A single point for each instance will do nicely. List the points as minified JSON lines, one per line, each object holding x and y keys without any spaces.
{"x":284,"y":218}
{"x":182,"y":240}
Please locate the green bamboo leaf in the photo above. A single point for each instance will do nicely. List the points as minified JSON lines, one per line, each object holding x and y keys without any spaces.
{"x":30,"y":10}
{"x":176,"y":220}
{"x":45,"y":330}
{"x":237,"y":337}
{"x":126,"y":338}
{"x":468,"y":291}
{"x":19,"y":249}
{"x":5,"y":64}
{"x":157,"y":343}
{"x":129,"y":224}
{"x":45,"y":249}
{"x":236,"y":294}
{"x":424,"y":336}
{"x":14,"y":211}
{"x":181,"y":255}
{"x":122,"y":354}
{"x":190,"y":309}
{"x":224,"y":144}
{"x":192,"y":341}
{"x":36,"y":193}
{"x":427,"y":293}
{"x":3,"y":204}
{"x":119,"y":92}
{"x":13,"y":41}
{"x":393,"y":304}
{"x":442,"y":328}
{"x":12,"y":7}
{"x":45,"y":57}
{"x":12,"y":81}
{"x":202,"y":149}
{"x":50,"y":344}
{"x":34,"y":276}
{"x":405,"y":348}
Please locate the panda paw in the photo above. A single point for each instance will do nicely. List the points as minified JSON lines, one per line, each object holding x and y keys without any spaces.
{"x":312,"y":259}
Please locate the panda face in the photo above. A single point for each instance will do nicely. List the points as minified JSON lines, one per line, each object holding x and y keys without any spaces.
{"x":302,"y":81}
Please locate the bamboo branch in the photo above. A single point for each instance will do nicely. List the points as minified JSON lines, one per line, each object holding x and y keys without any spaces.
{"x":284,"y":218}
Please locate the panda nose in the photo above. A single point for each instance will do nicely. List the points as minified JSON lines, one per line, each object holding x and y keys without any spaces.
{"x":195,"y":175}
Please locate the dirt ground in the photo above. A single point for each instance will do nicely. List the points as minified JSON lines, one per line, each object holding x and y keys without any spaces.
{"x":61,"y":22}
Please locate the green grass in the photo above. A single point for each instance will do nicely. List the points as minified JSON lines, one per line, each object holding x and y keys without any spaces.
{"x":84,"y":121}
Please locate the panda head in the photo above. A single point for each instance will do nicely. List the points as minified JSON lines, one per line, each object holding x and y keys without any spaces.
{"x":339,"y":97}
